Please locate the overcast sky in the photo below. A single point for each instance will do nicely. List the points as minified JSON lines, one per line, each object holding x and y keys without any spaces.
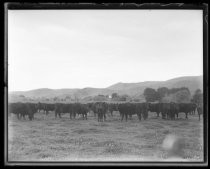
{"x":97,"y":48}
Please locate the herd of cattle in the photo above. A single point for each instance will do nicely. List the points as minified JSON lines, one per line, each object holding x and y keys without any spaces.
{"x":100,"y":109}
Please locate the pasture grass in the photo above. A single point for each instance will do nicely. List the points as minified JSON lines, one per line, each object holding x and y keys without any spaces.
{"x":49,"y":139}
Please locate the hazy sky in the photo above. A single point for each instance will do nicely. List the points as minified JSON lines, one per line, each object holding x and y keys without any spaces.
{"x":97,"y":48}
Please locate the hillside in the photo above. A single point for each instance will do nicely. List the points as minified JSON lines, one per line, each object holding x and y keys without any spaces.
{"x":131,"y":89}
{"x":192,"y":82}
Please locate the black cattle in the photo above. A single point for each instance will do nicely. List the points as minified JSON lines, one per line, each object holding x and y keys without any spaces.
{"x":193,"y":107}
{"x":154,"y":107}
{"x":126,"y":109}
{"x":46,"y":107}
{"x":142,"y":110}
{"x":92,"y":108}
{"x":112,"y":107}
{"x":185,"y":108}
{"x":72,"y":110}
{"x":82,"y":109}
{"x":23,"y":109}
{"x":15,"y":108}
{"x":49,"y":107}
{"x":100,"y":108}
{"x":61,"y":108}
{"x":58,"y":109}
{"x":174,"y":110}
{"x":32,"y":109}
{"x":165,"y":110}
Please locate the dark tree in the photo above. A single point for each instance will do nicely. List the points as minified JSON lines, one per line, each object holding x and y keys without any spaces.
{"x":162,"y":92}
{"x":182,"y":96}
{"x":197,"y":97}
{"x":150,"y":95}
{"x":175,"y":90}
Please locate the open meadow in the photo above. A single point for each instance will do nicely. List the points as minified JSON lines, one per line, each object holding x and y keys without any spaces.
{"x":49,"y":139}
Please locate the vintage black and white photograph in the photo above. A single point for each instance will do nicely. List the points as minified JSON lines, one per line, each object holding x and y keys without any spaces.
{"x":105,"y":85}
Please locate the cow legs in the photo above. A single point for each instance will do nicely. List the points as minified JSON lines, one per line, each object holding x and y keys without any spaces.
{"x":18,"y":116}
{"x":126,"y":117}
{"x":158,"y":114}
{"x":30,"y":117}
{"x":186,"y":115}
{"x":163,"y":115}
{"x":23,"y":115}
{"x":47,"y":112}
{"x":122,"y":116}
{"x":98,"y":117}
{"x":139,"y":116}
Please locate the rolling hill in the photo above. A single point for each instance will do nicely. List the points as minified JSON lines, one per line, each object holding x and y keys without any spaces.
{"x":131,"y":89}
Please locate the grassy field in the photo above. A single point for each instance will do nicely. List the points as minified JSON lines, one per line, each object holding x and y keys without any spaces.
{"x":47,"y":138}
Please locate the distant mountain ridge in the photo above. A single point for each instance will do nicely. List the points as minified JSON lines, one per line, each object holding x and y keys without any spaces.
{"x":131,"y":89}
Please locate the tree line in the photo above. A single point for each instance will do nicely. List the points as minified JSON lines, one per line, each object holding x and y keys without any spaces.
{"x":179,"y":95}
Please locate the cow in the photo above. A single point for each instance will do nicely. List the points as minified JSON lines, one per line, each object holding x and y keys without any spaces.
{"x":112,"y":107}
{"x":126,"y":109}
{"x":83,"y":110}
{"x":15,"y":108}
{"x":100,"y":108}
{"x":185,"y":108}
{"x":193,"y":108}
{"x":165,"y":110}
{"x":58,"y":109}
{"x":72,"y":110}
{"x":92,"y":108}
{"x":154,"y":107}
{"x":142,"y":110}
{"x":64,"y":108}
{"x":23,"y":109}
{"x":174,"y":110}
{"x":46,"y":107}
